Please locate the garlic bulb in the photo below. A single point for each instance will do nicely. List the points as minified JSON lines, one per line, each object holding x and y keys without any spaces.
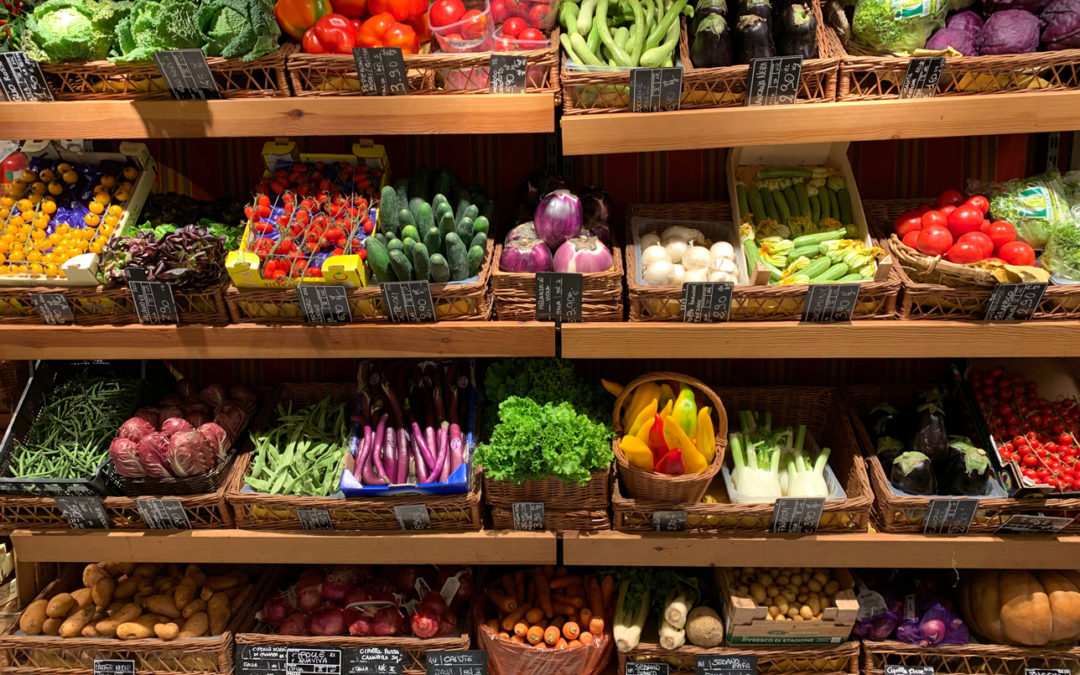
{"x":647,"y":240}
{"x":658,"y":274}
{"x":675,"y":249}
{"x":652,"y":254}
{"x":723,"y":249}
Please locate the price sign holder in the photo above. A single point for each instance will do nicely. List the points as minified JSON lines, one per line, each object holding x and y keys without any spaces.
{"x":408,"y":301}
{"x":830,"y":303}
{"x":708,"y":664}
{"x":381,"y":71}
{"x":922,"y":77}
{"x":669,"y":521}
{"x":797,"y":514}
{"x":1014,"y":302}
{"x":558,"y":297}
{"x":83,"y":512}
{"x":315,"y":519}
{"x":506,"y":73}
{"x":53,"y":308}
{"x":949,"y":516}
{"x":324,"y":304}
{"x":163,"y":514}
{"x":908,"y":670}
{"x":528,"y":516}
{"x":655,"y":89}
{"x":373,"y":661}
{"x":1045,"y":671}
{"x":154,"y":301}
{"x":187,"y":74}
{"x":706,"y":301}
{"x":114,"y":667}
{"x":21,"y":78}
{"x":413,"y":517}
{"x":466,"y":662}
{"x":773,"y":80}
{"x":1023,"y":524}
{"x":297,"y":660}
{"x":647,"y":668}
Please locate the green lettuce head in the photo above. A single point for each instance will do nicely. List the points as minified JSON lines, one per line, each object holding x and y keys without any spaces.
{"x":70,"y":30}
{"x":889,"y":26}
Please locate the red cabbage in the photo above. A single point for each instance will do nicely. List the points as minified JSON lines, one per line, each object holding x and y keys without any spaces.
{"x":134,"y":429}
{"x":152,"y":451}
{"x":525,"y":255}
{"x":966,"y":21}
{"x":558,"y":217}
{"x":992,"y":6}
{"x":175,"y":425}
{"x":125,"y":458}
{"x":189,"y":454}
{"x":1061,"y":21}
{"x":583,"y":255}
{"x":1013,"y":31}
{"x":960,"y":40}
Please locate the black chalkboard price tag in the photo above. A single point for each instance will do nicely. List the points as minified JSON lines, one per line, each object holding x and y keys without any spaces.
{"x":1024,"y":524}
{"x":773,"y":80}
{"x":187,"y":74}
{"x":315,"y":519}
{"x":408,"y":301}
{"x":908,"y":670}
{"x":83,"y":513}
{"x":830,"y":303}
{"x":1014,"y":302}
{"x":413,"y":517}
{"x":324,"y":304}
{"x":381,"y":71}
{"x":797,"y":514}
{"x":708,"y":664}
{"x":53,"y":308}
{"x":558,"y":297}
{"x":669,"y":521}
{"x":114,"y":667}
{"x":528,"y":516}
{"x":506,"y":74}
{"x":706,"y":301}
{"x":655,"y":89}
{"x":154,"y":301}
{"x":949,"y":516}
{"x":647,"y":668}
{"x":922,"y":76}
{"x":21,"y":78}
{"x":163,"y":514}
{"x":373,"y":661}
{"x":465,"y":662}
{"x":1044,"y":671}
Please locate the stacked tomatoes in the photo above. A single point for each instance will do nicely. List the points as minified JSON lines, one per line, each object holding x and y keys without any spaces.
{"x":958,"y":230}
{"x":1041,"y":433}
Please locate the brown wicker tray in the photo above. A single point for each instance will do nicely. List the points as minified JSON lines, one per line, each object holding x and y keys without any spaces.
{"x":105,"y":80}
{"x":335,"y":74}
{"x":842,"y":659}
{"x":823,"y":410}
{"x":469,"y":301}
{"x":970,"y":659}
{"x":97,"y":305}
{"x":937,"y":289}
{"x":54,"y":655}
{"x":557,"y":520}
{"x":602,"y":293}
{"x":593,"y":495}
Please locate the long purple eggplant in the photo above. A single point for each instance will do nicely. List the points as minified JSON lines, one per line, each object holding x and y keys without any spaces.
{"x":421,"y":443}
{"x":437,"y":395}
{"x":366,"y":464}
{"x":450,"y":386}
{"x":390,"y":458}
{"x":443,"y":454}
{"x":418,"y":460}
{"x":390,"y":394}
{"x":378,"y":451}
{"x":402,"y":457}
{"x":457,"y":448}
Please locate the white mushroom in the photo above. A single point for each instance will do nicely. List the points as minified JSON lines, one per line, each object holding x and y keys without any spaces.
{"x":652,"y":254}
{"x":696,"y":258}
{"x":658,"y":274}
{"x":722,"y":249}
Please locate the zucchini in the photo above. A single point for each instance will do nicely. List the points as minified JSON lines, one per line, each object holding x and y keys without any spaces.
{"x":810,"y":251}
{"x":457,"y":256}
{"x":816,"y":267}
{"x":815,"y":209}
{"x":815,"y":239}
{"x":834,"y":207}
{"x":757,"y":206}
{"x":782,"y":207}
{"x":785,"y":172}
{"x":378,"y":256}
{"x":770,"y":206}
{"x":848,"y":278}
{"x":792,"y":201}
{"x":744,"y":203}
{"x":803,"y":200}
{"x":826,"y":207}
{"x":440,"y":269}
{"x":843,"y":200}
{"x":421,"y":262}
{"x":400,"y":265}
{"x":831,"y":274}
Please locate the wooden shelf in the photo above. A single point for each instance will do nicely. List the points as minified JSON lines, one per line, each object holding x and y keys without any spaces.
{"x":822,"y":550}
{"x":266,"y":547}
{"x":791,"y":339}
{"x":848,"y":121}
{"x":309,"y":116}
{"x":250,"y":341}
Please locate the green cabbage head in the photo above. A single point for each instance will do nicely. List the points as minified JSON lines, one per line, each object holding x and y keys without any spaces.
{"x":70,"y":30}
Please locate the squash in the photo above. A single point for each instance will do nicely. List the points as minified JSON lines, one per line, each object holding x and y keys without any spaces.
{"x":1033,"y":608}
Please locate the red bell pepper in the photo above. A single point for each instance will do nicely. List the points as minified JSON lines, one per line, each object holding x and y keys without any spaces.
{"x":672,"y":463}
{"x":331,"y":34}
{"x":402,"y":10}
{"x":354,"y":9}
{"x":656,"y":439}
{"x":382,"y":30}
{"x":296,"y":16}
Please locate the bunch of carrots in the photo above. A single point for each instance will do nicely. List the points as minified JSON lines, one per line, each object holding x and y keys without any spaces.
{"x":550,"y":608}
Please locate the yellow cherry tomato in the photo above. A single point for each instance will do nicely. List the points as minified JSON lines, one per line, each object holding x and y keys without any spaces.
{"x":38,"y":235}
{"x":33,"y":256}
{"x":4,"y":247}
{"x":96,"y":207}
{"x":92,"y":219}
{"x":15,"y":221}
{"x":70,"y":177}
{"x":2,"y":258}
{"x":37,"y":269}
{"x":4,"y":212}
{"x":56,"y":188}
{"x":25,"y":205}
{"x":130,"y":172}
{"x":115,"y":210}
{"x":102,"y":198}
{"x":108,"y":181}
{"x":63,"y":166}
{"x":48,"y":206}
{"x":86,"y":233}
{"x":95,"y":247}
{"x":7,"y":201}
{"x":110,"y":220}
{"x":28,"y":176}
{"x":49,"y":257}
{"x":38,"y":188}
{"x":107,"y":230}
{"x":46,"y":175}
{"x":35,"y":199}
{"x":41,"y":222}
{"x":16,"y":256}
{"x":121,"y":195}
{"x":51,"y":270}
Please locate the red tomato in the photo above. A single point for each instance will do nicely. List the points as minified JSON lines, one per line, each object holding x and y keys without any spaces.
{"x":906,"y":222}
{"x":947,"y":209}
{"x":539,"y":16}
{"x":924,"y":208}
{"x":530,"y":34}
{"x":934,"y":240}
{"x":499,"y":13}
{"x":963,"y":252}
{"x":965,"y":219}
{"x":1017,"y":253}
{"x":513,"y":26}
{"x":473,"y":24}
{"x":1001,"y":233}
{"x":981,"y":241}
{"x":505,"y":43}
{"x":911,"y":238}
{"x":950,"y":197}
{"x":934,"y":218}
{"x":446,"y":12}
{"x":979,"y":202}
{"x":985,"y":227}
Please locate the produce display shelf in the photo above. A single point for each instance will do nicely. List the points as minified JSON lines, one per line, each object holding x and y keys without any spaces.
{"x":486,"y":547}
{"x":250,"y":341}
{"x":849,"y":550}
{"x":329,"y":116}
{"x":851,"y":121}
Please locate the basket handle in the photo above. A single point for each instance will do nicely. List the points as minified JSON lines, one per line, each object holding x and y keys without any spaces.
{"x":718,"y":406}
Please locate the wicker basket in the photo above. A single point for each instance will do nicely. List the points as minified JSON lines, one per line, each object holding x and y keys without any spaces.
{"x":937,"y":289}
{"x":819,"y":408}
{"x":105,"y":80}
{"x":593,"y":495}
{"x":258,"y":511}
{"x":842,"y":659}
{"x":54,"y":655}
{"x":113,"y":304}
{"x":509,"y":658}
{"x":469,"y":301}
{"x":970,"y":659}
{"x":601,"y":292}
{"x":658,"y":488}
{"x":557,"y":520}
{"x":335,"y":74}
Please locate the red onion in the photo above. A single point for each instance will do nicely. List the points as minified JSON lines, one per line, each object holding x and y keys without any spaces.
{"x":328,"y":620}
{"x":297,"y":623}
{"x":525,"y":255}
{"x":583,"y":255}
{"x":275,"y":609}
{"x":388,"y":621}
{"x":558,"y":217}
{"x":339,"y":581}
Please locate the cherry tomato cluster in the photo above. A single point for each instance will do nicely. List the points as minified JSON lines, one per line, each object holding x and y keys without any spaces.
{"x":535,"y":15}
{"x":308,"y":178}
{"x":959,"y":231}
{"x":457,"y":22}
{"x":516,"y":35}
{"x":1042,"y":433}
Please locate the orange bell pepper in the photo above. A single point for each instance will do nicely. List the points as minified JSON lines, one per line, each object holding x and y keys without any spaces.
{"x":382,"y":30}
{"x":296,"y":16}
{"x":402,"y":10}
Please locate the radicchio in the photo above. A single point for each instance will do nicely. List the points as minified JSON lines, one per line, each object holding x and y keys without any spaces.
{"x":184,"y":387}
{"x":245,"y":397}
{"x":175,"y":425}
{"x":170,"y":411}
{"x":149,"y":414}
{"x":213,"y":396}
{"x":231,"y":417}
{"x":172,"y":401}
{"x":152,"y":451}
{"x":198,"y":418}
{"x":189,"y":454}
{"x":125,"y":458}
{"x":218,"y":440}
{"x":134,"y":429}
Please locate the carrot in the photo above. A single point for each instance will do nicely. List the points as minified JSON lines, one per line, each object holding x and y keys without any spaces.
{"x":596,"y":600}
{"x":514,"y":616}
{"x":561,"y":608}
{"x":530,"y":595}
{"x":560,"y":644}
{"x":535,"y":634}
{"x":543,"y":594}
{"x":596,"y":626}
{"x":519,"y":585}
{"x":576,"y":603}
{"x":503,"y":601}
{"x":571,"y":630}
{"x":503,"y":635}
{"x":585,"y":614}
{"x":534,"y":615}
{"x":575,"y":591}
{"x":493,"y":624}
{"x":561,"y":572}
{"x":549,"y":571}
{"x":573,"y":643}
{"x":558,"y":622}
{"x":563,"y":582}
{"x":586,"y":638}
{"x":521,"y":628}
{"x":607,"y":590}
{"x":508,"y":585}
{"x":551,"y":635}
{"x":518,"y":639}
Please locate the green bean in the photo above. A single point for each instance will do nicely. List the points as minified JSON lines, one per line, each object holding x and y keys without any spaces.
{"x":303,"y":452}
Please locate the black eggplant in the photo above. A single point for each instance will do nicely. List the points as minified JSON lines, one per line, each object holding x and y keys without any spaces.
{"x":968,"y":469}
{"x":884,"y":420}
{"x":798,"y":32}
{"x":762,"y":8}
{"x":712,"y":43}
{"x":706,"y":8}
{"x":913,"y":473}
{"x":888,"y":449}
{"x":754,"y":38}
{"x":929,"y":436}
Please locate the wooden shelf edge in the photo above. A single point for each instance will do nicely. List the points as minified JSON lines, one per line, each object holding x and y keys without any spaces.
{"x":286,"y":547}
{"x":307,"y":116}
{"x":1020,"y":112}
{"x":823,"y":550}
{"x":447,"y":338}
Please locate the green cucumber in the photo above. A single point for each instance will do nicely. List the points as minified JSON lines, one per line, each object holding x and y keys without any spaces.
{"x":464,"y":229}
{"x":458,"y":257}
{"x":463,"y":202}
{"x":425,"y":218}
{"x":471,"y":212}
{"x":410,"y":232}
{"x":415,"y":204}
{"x":440,"y":198}
{"x":433,"y":240}
{"x":401,"y":265}
{"x":407,"y":246}
{"x":475,"y":258}
{"x":442,"y":181}
{"x":488,"y":211}
{"x":395,"y":245}
{"x":446,"y":224}
{"x":421,"y":262}
{"x":479,"y":239}
{"x":405,"y":217}
{"x":440,"y":269}
{"x":402,"y":189}
{"x":481,"y":224}
{"x":378,"y":256}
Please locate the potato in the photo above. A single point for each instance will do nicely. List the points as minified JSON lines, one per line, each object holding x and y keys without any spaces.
{"x":51,"y":625}
{"x":60,"y":605}
{"x":224,"y":582}
{"x":126,"y":588}
{"x":185,"y":592}
{"x":206,"y":593}
{"x":162,"y":604}
{"x":147,"y":570}
{"x":174,"y":570}
{"x":91,"y":574}
{"x":164,"y":585}
{"x":31,"y":619}
{"x":167,"y":631}
{"x":134,"y":630}
{"x":218,"y":609}
{"x":114,"y":607}
{"x":112,"y":569}
{"x":196,"y":625}
{"x":103,"y":591}
{"x":128,"y":612}
{"x":126,"y":568}
{"x":196,"y":605}
{"x":73,"y":625}
{"x":89,"y":631}
{"x":83,"y":597}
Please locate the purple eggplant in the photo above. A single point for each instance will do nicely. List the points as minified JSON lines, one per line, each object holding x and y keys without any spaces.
{"x":402,"y":457}
{"x":457,"y":449}
{"x":422,"y":445}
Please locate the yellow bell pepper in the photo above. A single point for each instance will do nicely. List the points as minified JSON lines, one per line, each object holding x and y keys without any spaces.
{"x":666,"y":394}
{"x":706,"y":437}
{"x":643,"y":433}
{"x":646,"y":413}
{"x":675,"y":437}
{"x":685,"y":411}
{"x":637,"y":452}
{"x":613,"y":388}
{"x":641,"y":397}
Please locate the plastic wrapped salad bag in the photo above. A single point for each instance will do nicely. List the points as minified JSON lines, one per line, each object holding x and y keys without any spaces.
{"x":1036,"y":206}
{"x":1062,"y":256}
{"x":892,"y":26}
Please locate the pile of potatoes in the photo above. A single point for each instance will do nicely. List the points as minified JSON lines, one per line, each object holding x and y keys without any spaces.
{"x":129,"y":602}
{"x":790,"y":593}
